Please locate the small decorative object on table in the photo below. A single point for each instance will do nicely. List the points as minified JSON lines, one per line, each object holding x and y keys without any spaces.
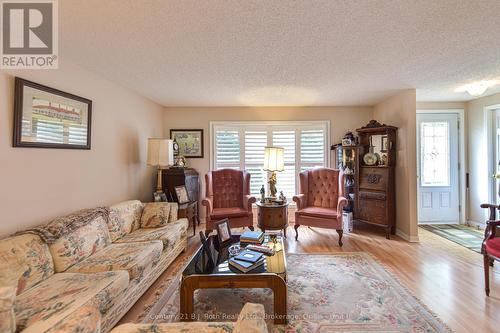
{"x":182,"y":194}
{"x":282,"y":197}
{"x":223,"y":232}
{"x":262,"y":194}
{"x":234,"y":250}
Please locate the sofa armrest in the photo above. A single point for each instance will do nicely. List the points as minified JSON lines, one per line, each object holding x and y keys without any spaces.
{"x":248,"y":200}
{"x":300,"y":199}
{"x":207,"y":202}
{"x":340,"y":206}
{"x":251,"y":319}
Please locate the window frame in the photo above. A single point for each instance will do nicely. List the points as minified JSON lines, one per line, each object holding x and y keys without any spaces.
{"x":297,"y":125}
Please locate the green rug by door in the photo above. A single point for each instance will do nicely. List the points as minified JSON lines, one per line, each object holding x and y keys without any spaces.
{"x":468,"y":237}
{"x":348,"y":292}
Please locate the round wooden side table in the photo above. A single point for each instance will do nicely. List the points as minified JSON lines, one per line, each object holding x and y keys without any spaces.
{"x":272,"y":216}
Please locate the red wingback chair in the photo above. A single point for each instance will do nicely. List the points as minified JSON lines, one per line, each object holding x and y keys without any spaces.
{"x":321,"y":200}
{"x":491,"y":244}
{"x":228,"y":196}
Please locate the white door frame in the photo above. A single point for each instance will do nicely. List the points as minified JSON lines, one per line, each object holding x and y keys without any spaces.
{"x":462,"y":153}
{"x":488,"y":119}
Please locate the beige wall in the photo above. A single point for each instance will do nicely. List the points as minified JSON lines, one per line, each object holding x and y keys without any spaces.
{"x":479,"y":174}
{"x":400,"y":111}
{"x":341,"y":119}
{"x":441,"y":105}
{"x":39,"y":184}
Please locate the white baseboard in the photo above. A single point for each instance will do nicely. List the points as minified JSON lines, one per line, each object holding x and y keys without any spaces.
{"x":413,"y":239}
{"x":475,"y":224}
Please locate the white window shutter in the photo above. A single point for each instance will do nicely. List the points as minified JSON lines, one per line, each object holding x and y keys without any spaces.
{"x":312,"y":149}
{"x":255,"y":142}
{"x":227,"y":149}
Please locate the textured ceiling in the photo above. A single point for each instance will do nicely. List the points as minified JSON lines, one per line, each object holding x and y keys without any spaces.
{"x":322,"y":52}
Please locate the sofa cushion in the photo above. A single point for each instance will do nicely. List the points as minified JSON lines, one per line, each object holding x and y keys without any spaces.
{"x":158,"y":214}
{"x":80,"y":244}
{"x":192,"y":327}
{"x":86,"y":319}
{"x":221,"y":213}
{"x":136,"y":258}
{"x":7,"y":316}
{"x":168,"y":234}
{"x":251,"y":319}
{"x":124,"y":217}
{"x":24,"y":261}
{"x":55,"y":298}
{"x":318,"y":212}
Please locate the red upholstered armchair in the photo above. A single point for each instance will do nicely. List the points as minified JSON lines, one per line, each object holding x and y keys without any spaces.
{"x":321,"y":200}
{"x":228,"y":196}
{"x":491,"y":244}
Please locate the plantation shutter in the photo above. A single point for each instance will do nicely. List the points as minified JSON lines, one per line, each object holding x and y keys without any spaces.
{"x":312,"y":149}
{"x":227,"y":149}
{"x":286,"y":178}
{"x":255,"y":142}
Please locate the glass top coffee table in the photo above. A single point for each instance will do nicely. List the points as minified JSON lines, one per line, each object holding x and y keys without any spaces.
{"x":271,"y":275}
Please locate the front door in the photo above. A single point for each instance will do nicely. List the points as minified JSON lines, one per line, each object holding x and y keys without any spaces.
{"x":437,"y":158}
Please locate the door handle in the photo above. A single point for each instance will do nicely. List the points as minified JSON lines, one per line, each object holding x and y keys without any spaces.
{"x":495,"y":176}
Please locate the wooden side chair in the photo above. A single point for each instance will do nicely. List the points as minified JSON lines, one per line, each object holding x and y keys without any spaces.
{"x":491,"y":244}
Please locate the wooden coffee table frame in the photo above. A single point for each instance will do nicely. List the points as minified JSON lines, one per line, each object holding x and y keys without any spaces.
{"x":274,"y":277}
{"x":264,"y":280}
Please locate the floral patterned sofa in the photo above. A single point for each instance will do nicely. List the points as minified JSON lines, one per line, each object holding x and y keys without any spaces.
{"x":86,"y":280}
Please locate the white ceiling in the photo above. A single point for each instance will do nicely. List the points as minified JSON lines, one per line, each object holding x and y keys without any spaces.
{"x":245,"y":52}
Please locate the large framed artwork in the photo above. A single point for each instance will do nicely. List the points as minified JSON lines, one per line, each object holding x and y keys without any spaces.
{"x":45,"y":117}
{"x":190,"y":142}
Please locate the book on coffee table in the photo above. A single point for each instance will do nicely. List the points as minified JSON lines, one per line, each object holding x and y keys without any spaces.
{"x":245,"y":266}
{"x":248,"y":255}
{"x":253,"y":237}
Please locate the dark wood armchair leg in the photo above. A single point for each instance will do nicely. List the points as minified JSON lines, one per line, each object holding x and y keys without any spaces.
{"x":296,"y":227}
{"x":492,"y":262}
{"x":486,"y":274}
{"x":340,"y":232}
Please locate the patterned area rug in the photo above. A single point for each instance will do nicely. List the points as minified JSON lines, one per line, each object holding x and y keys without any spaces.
{"x":468,"y":237}
{"x":326,"y":293}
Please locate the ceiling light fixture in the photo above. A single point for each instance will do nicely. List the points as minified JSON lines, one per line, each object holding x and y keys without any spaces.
{"x":478,"y":88}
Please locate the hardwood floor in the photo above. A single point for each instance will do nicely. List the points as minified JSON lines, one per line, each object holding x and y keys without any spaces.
{"x":445,"y":276}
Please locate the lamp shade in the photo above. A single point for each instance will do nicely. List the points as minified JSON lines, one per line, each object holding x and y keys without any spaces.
{"x":273,"y":159}
{"x":160,"y":152}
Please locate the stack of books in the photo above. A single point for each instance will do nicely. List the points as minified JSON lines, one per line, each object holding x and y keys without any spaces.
{"x":247,"y":261}
{"x":252,"y":237}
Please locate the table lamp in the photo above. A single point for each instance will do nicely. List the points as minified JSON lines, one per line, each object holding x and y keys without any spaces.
{"x":273,"y":161}
{"x":160,"y":154}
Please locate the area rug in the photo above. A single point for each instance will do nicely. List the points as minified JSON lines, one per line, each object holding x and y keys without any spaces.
{"x":326,"y":293}
{"x":468,"y":237}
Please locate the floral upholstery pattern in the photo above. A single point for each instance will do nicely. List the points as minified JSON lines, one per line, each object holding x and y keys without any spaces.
{"x":80,"y":244}
{"x":86,"y":319}
{"x":7,"y":316}
{"x":136,"y":258}
{"x":124,"y":218}
{"x":193,"y":327}
{"x":168,"y":234}
{"x":55,"y":298}
{"x":24,"y":261}
{"x":158,"y":214}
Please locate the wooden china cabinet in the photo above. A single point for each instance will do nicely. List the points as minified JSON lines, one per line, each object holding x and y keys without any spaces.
{"x":375,"y":176}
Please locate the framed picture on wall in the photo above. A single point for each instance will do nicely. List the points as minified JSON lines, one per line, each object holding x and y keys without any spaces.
{"x":45,"y":117}
{"x":190,"y":142}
